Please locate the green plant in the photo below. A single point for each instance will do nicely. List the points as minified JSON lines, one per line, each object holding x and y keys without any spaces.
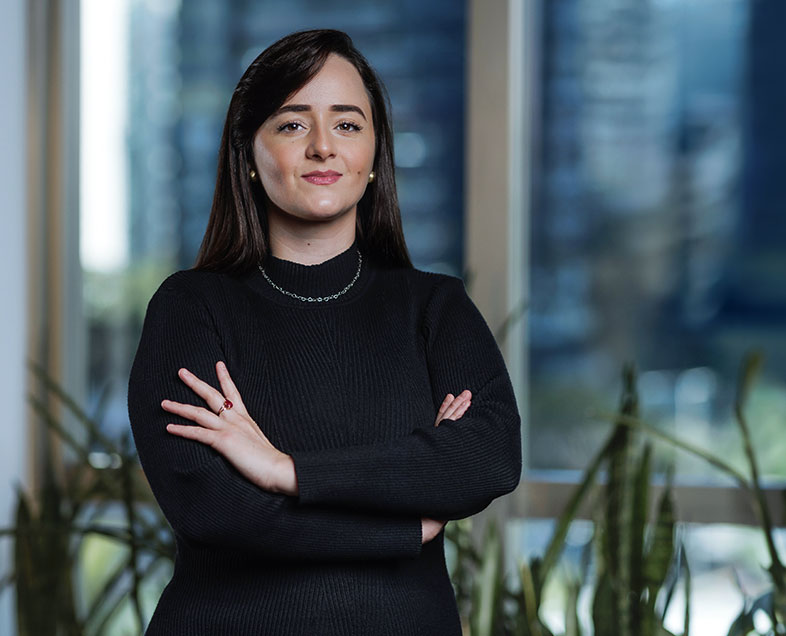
{"x":52,"y":526}
{"x":634,"y":568}
{"x":772,"y":602}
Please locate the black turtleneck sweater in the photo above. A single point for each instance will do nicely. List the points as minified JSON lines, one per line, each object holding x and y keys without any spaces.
{"x":350,"y":389}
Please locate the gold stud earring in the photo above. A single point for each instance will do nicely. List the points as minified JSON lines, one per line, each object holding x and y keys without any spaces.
{"x":253,"y":175}
{"x":371,"y":176}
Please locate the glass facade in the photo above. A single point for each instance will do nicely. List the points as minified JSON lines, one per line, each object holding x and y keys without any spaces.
{"x":658,"y":233}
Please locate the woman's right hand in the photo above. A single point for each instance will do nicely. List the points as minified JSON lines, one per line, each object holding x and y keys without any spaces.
{"x":452,"y":408}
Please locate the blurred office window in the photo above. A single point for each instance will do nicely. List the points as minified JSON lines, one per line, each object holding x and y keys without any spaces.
{"x":157,"y":77}
{"x":658,"y":232}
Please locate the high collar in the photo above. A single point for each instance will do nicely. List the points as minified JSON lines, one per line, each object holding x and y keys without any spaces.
{"x":321,"y":279}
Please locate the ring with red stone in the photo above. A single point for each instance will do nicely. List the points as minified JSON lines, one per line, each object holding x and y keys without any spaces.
{"x":225,"y":406}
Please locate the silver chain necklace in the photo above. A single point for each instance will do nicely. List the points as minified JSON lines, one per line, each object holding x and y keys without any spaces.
{"x":309,"y":299}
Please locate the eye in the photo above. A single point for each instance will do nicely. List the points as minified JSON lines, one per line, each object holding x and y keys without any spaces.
{"x":351,"y":126}
{"x":286,"y":127}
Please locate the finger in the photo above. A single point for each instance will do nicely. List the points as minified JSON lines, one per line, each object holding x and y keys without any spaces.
{"x":445,"y":403}
{"x":450,"y":400}
{"x":197,"y":414}
{"x":456,"y":405}
{"x":446,"y":411}
{"x":212,"y":397}
{"x":448,"y":414}
{"x":459,"y":410}
{"x":204,"y":435}
{"x":229,"y":389}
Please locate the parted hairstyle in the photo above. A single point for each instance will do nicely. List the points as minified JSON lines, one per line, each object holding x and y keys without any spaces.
{"x":236,"y":237}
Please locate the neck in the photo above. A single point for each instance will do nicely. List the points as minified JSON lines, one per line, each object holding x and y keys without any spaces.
{"x":307,"y":242}
{"x":323,"y":278}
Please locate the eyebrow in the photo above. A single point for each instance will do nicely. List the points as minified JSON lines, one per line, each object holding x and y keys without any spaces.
{"x":336,"y":108}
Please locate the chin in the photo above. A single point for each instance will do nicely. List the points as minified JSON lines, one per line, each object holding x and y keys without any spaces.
{"x":327,"y":212}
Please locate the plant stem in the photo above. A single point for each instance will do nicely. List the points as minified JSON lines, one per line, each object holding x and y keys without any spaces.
{"x":750,"y":367}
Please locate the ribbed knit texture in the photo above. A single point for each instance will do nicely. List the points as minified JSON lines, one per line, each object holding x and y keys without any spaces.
{"x":350,"y":389}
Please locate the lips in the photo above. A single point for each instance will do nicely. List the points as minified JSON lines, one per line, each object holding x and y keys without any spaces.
{"x":318,"y":177}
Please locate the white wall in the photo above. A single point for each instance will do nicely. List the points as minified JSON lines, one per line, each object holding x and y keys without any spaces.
{"x":13,"y":273}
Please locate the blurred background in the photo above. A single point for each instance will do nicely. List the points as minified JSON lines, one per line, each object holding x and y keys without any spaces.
{"x":607,"y":175}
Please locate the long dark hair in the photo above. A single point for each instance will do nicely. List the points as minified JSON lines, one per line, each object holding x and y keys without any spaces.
{"x":236,"y":238}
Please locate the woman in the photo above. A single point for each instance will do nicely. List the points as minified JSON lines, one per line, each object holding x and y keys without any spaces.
{"x":284,"y":393}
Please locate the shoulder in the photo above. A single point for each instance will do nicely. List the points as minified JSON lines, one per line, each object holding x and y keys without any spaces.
{"x":431,"y":297}
{"x":446,"y":306}
{"x":178,"y":289}
{"x":196,"y":291}
{"x":201,"y":284}
{"x":191,"y":282}
{"x":423,"y":285}
{"x":440,"y":291}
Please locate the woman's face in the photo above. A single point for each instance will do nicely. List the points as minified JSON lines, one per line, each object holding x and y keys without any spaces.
{"x":324,"y":127}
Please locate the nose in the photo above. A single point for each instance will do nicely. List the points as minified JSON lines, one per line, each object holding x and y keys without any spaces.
{"x":320,"y":143}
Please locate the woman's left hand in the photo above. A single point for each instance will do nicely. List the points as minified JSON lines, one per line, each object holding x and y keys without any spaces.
{"x":233,"y":433}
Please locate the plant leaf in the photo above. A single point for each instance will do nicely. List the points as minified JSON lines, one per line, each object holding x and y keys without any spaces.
{"x":686,"y":569}
{"x":486,"y":592}
{"x":639,"y":510}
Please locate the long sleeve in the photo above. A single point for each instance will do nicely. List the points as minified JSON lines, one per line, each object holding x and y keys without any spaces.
{"x":203,"y":497}
{"x":450,"y":471}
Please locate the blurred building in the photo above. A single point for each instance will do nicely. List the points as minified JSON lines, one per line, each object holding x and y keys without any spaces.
{"x":657,"y":223}
{"x":752,"y":294}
